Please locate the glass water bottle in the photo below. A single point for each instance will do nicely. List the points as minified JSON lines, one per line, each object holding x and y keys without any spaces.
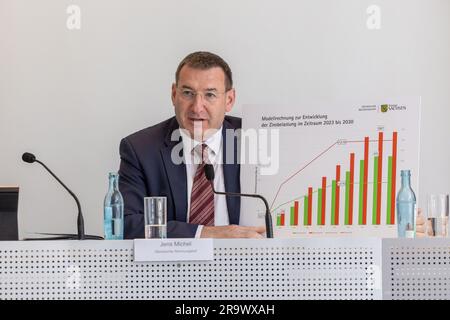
{"x":113,"y":210}
{"x":406,"y":202}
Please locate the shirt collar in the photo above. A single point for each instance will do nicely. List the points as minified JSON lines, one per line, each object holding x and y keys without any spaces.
{"x":214,"y":142}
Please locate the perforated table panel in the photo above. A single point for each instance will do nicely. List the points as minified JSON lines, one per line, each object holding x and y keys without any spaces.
{"x":242,"y":269}
{"x":418,"y":269}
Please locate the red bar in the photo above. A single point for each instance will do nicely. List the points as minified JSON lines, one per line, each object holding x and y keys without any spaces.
{"x":295,"y":213}
{"x":366,"y":174}
{"x":350,"y":198}
{"x":310,"y":191}
{"x":394,"y":174}
{"x":282,"y":219}
{"x":324,"y":195}
{"x":336,"y":209}
{"x":380,"y":174}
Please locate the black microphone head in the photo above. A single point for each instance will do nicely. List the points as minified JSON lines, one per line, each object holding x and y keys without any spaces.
{"x":209,"y":172}
{"x":28,"y":157}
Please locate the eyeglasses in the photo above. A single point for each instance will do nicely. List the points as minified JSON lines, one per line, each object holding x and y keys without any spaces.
{"x":209,"y":96}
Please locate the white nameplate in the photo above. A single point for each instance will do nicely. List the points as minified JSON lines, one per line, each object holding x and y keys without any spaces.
{"x":151,"y":250}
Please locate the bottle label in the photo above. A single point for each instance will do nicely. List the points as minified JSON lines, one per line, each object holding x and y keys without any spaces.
{"x":107,"y":223}
{"x":409,"y":234}
{"x":117,"y":224}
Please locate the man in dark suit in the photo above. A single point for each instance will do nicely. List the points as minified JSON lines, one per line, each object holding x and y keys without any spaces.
{"x":168,"y":159}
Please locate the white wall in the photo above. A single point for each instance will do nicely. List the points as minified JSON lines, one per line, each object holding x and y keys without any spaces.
{"x":70,"y":96}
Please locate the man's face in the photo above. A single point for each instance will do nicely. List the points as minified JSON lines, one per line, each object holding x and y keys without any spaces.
{"x":200,"y":100}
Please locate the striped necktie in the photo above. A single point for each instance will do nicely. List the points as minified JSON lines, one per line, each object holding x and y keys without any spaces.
{"x":202,"y":195}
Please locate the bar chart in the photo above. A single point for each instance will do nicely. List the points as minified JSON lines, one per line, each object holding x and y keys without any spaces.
{"x":338,"y":174}
{"x":348,"y":215}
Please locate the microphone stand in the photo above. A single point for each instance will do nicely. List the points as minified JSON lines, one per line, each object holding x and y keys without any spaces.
{"x":209,"y":173}
{"x":268,"y":217}
{"x":80,"y":221}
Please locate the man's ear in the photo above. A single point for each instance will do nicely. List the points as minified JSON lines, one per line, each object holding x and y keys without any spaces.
{"x":174,"y":93}
{"x":230,"y":98}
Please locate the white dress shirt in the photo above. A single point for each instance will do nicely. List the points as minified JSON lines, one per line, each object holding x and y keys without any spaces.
{"x":192,"y":160}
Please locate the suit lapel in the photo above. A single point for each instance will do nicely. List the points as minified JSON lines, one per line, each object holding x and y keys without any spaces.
{"x":231,"y":175}
{"x":176,"y":175}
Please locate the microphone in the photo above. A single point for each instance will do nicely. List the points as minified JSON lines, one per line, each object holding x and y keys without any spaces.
{"x":209,"y":173}
{"x":31,"y":158}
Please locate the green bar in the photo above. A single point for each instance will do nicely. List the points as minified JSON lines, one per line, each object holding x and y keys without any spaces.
{"x":361,"y":190}
{"x":375,"y":179}
{"x":278,"y":220}
{"x":305,"y":210}
{"x":347,"y":196}
{"x":333,"y":202}
{"x":388,"y":205}
{"x":292,"y":216}
{"x":319,"y":207}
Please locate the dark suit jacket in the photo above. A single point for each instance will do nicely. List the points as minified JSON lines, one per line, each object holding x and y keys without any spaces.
{"x":146,"y":169}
